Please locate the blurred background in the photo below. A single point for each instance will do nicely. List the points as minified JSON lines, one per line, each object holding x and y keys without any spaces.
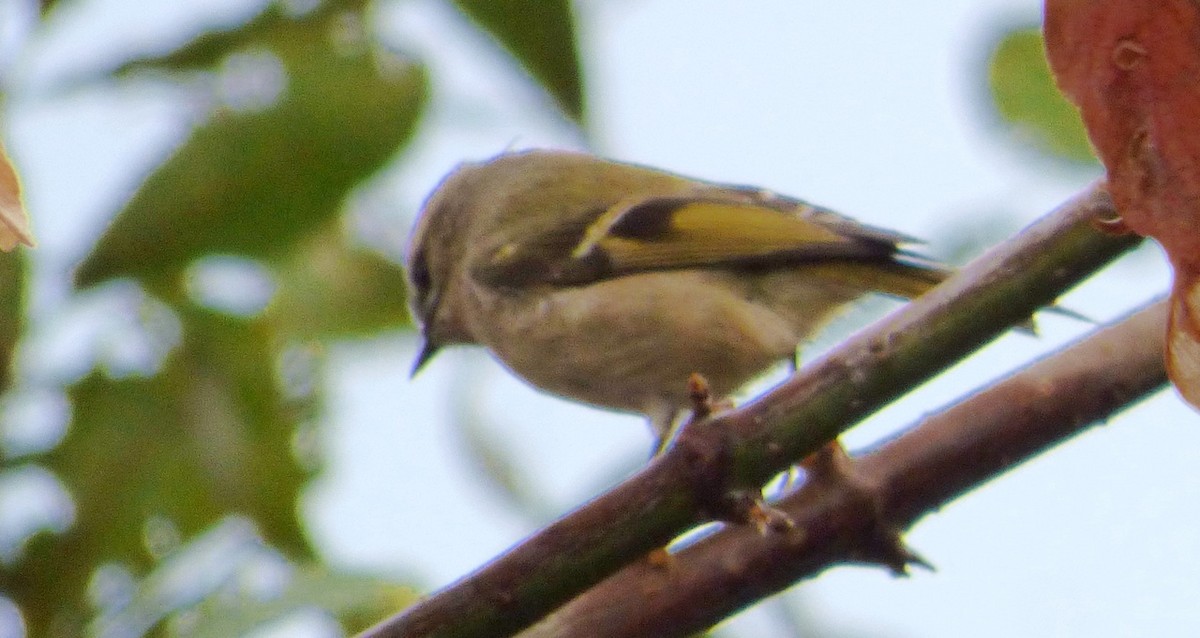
{"x":207,"y":425}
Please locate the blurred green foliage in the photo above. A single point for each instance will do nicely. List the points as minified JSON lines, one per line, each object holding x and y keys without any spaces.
{"x":541,"y":37}
{"x":212,"y":428}
{"x":1029,"y":103}
{"x":254,"y":182}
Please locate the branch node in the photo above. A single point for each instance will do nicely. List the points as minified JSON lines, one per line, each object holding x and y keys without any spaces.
{"x":660,"y":558}
{"x":701,"y":395}
{"x":706,"y":451}
{"x":1114,"y":226}
{"x":769,"y":520}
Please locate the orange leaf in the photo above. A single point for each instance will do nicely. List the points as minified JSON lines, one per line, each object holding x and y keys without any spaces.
{"x":14,"y":221}
{"x":1183,"y":341}
{"x":1133,"y":68}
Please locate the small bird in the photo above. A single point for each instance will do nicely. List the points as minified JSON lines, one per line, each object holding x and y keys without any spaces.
{"x":611,"y":283}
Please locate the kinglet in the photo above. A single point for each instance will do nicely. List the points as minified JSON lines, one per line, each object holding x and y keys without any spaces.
{"x":612,"y":283}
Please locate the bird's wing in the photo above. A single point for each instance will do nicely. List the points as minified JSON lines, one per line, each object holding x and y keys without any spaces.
{"x":667,"y":233}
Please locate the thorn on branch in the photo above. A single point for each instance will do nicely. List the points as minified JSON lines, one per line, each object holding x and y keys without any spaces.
{"x":831,"y":468}
{"x":886,"y":547}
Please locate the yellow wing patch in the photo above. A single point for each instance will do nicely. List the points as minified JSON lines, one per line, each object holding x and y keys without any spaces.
{"x":675,"y":233}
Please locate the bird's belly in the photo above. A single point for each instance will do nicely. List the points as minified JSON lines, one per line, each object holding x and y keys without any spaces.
{"x":631,"y":343}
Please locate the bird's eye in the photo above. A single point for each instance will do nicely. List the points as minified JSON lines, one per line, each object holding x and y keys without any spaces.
{"x":422,"y":280}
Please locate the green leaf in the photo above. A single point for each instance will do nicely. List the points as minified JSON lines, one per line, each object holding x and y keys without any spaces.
{"x":1026,"y":98}
{"x":12,"y":316}
{"x":331,"y":289}
{"x":540,"y":34}
{"x":208,"y":436}
{"x":252,"y":183}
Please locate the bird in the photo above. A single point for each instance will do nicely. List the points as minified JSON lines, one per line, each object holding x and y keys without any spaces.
{"x":611,"y":283}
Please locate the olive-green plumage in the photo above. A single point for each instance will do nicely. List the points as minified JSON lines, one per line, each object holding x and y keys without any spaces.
{"x":611,"y":283}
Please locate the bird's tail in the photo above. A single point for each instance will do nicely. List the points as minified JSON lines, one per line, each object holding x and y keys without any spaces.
{"x":902,"y":276}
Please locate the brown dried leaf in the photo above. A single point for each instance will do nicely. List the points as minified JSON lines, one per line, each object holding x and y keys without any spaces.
{"x":14,"y":221}
{"x":1133,"y":68}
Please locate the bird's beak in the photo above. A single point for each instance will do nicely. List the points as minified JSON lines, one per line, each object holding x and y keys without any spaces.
{"x":428,"y":349}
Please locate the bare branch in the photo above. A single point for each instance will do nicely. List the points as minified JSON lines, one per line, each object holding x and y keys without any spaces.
{"x":910,"y":476}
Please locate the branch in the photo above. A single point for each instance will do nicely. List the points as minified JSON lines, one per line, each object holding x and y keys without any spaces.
{"x":745,"y":447}
{"x":922,"y":470}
